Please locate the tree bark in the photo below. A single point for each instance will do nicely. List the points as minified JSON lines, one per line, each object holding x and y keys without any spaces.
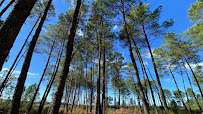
{"x":35,"y":94}
{"x":155,"y":70}
{"x":104,"y":79}
{"x":194,"y":77}
{"x":23,"y":75}
{"x":145,"y":105}
{"x":2,"y":2}
{"x":192,"y":87}
{"x":48,"y":88}
{"x":144,"y":70}
{"x":185,"y":88}
{"x":91,"y":89}
{"x":14,"y":63}
{"x":7,"y":6}
{"x":181,"y":98}
{"x":12,"y":25}
{"x":54,"y":109}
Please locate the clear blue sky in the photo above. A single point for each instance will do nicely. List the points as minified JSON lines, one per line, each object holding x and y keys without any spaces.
{"x":175,"y":9}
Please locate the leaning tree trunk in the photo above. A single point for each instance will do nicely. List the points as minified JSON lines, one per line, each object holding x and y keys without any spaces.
{"x":194,"y":77}
{"x":7,"y":6}
{"x":192,"y":87}
{"x":48,"y":88}
{"x":155,"y":70}
{"x":155,"y":86}
{"x":145,"y":105}
{"x":23,"y":75}
{"x":35,"y":94}
{"x":14,"y":63}
{"x":2,"y":2}
{"x":55,"y":105}
{"x":12,"y":25}
{"x":144,"y":70}
{"x":181,"y":98}
{"x":185,"y":88}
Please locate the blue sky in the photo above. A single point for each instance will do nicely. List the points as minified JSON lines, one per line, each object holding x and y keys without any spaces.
{"x":175,"y":9}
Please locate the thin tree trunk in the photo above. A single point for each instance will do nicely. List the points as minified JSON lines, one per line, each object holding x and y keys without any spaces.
{"x":12,"y":25}
{"x":185,"y":88}
{"x":6,"y":81}
{"x":2,"y":2}
{"x":97,"y":103}
{"x":11,"y":69}
{"x":144,"y":70}
{"x":119,"y":97}
{"x":155,"y":86}
{"x":181,"y":98}
{"x":7,"y":6}
{"x":155,"y":70}
{"x":86,"y":90}
{"x":54,"y":108}
{"x":23,"y":75}
{"x":35,"y":94}
{"x":74,"y":97}
{"x":192,"y":87}
{"x":48,"y":88}
{"x":91,"y":90}
{"x":194,"y":77}
{"x":146,"y":106}
{"x":115,"y":104}
{"x":104,"y":79}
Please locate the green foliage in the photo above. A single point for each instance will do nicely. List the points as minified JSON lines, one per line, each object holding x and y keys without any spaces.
{"x":195,"y":11}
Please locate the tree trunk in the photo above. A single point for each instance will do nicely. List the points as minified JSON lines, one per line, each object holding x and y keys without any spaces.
{"x":12,"y":25}
{"x":192,"y":87}
{"x":91,"y":90}
{"x":2,"y":2}
{"x":155,"y":70}
{"x":86,"y":90}
{"x":35,"y":94}
{"x":74,"y":97}
{"x":185,"y":88}
{"x":155,"y":86}
{"x":119,"y":97}
{"x":181,"y":98}
{"x":48,"y":88}
{"x":104,"y":79}
{"x":23,"y":75}
{"x":115,"y":104}
{"x":144,"y":70}
{"x":11,"y":69}
{"x":4,"y":10}
{"x":194,"y":77}
{"x":54,"y":108}
{"x":146,"y":106}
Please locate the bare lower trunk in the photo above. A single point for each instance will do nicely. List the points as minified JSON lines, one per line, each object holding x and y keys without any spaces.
{"x":146,"y":106}
{"x":181,"y":98}
{"x":185,"y":88}
{"x":16,"y":59}
{"x":144,"y":70}
{"x":2,"y":2}
{"x":192,"y":87}
{"x":56,"y":102}
{"x":155,"y":70}
{"x":194,"y":78}
{"x":4,"y":10}
{"x":48,"y":88}
{"x":23,"y":75}
{"x":91,"y":89}
{"x":12,"y":25}
{"x":35,"y":94}
{"x":104,"y":80}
